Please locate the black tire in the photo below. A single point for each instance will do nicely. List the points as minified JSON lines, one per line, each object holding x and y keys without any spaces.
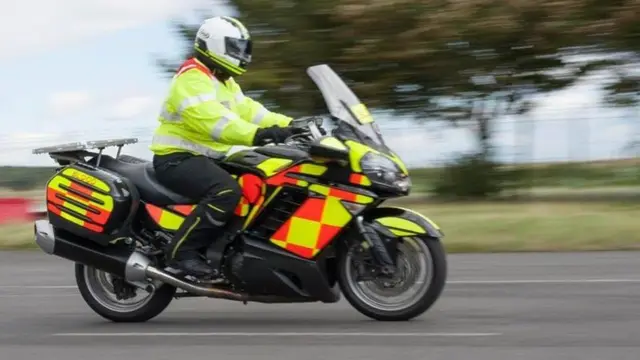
{"x":158,"y":302}
{"x":438,"y":280}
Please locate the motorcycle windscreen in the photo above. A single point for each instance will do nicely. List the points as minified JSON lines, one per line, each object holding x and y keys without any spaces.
{"x":342,"y":103}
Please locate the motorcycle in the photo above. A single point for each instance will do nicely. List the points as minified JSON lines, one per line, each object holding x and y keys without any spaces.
{"x":310,"y":226}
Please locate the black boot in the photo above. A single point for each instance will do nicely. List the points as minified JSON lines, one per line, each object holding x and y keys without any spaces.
{"x":184,"y":250}
{"x":227,"y":234}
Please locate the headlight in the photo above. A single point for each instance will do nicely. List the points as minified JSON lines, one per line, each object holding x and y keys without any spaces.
{"x":384,"y":172}
{"x":375,"y":162}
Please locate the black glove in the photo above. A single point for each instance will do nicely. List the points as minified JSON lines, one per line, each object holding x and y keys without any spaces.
{"x":273,"y":134}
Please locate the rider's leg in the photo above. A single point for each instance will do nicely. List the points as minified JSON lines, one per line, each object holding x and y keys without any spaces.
{"x":198,"y":177}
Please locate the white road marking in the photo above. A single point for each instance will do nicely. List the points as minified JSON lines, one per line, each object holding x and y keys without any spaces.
{"x":453,"y":282}
{"x":277,"y":334}
{"x":43,"y":287}
{"x":543,"y":281}
{"x":44,"y":296}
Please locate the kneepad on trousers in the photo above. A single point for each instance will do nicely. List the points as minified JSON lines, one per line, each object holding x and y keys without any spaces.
{"x":198,"y":177}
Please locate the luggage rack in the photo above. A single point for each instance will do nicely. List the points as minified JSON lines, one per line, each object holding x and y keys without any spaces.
{"x":76,"y":151}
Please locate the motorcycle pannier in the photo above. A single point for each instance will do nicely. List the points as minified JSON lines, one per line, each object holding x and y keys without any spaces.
{"x":91,"y":203}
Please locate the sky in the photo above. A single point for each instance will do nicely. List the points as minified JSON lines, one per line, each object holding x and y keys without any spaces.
{"x":85,"y":70}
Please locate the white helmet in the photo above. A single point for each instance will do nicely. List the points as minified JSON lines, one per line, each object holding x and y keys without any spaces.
{"x":224,"y":43}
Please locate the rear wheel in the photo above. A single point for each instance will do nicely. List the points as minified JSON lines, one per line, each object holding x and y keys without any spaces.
{"x":412,"y":290}
{"x":100,"y":291}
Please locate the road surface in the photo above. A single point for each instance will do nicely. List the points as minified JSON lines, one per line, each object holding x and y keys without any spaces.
{"x":507,"y":306}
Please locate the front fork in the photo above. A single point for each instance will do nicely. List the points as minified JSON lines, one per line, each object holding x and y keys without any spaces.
{"x":383,"y":254}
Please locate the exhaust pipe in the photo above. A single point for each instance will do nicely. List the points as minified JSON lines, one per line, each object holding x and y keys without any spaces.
{"x":157,"y":274}
{"x":134,"y":267}
{"x":112,"y":259}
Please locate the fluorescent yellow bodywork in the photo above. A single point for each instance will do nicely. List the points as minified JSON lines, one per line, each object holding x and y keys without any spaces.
{"x":57,"y":183}
{"x":325,"y":190}
{"x":86,"y":178}
{"x":170,"y":221}
{"x":312,"y":169}
{"x":431,"y":222}
{"x":332,"y":142}
{"x":400,"y":226}
{"x":358,"y":151}
{"x":273,"y":165}
{"x":409,"y":223}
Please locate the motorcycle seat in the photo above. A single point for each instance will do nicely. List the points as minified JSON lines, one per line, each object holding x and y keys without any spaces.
{"x":142,"y":175}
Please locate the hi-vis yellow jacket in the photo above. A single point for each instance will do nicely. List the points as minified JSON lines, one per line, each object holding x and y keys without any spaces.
{"x":204,"y":116}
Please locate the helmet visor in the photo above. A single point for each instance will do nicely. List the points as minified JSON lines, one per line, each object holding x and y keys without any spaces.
{"x":238,"y":48}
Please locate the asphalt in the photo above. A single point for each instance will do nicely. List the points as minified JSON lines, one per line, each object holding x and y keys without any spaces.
{"x":506,"y":306}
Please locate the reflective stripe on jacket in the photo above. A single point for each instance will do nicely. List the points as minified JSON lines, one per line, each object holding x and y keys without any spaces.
{"x":204,"y":116}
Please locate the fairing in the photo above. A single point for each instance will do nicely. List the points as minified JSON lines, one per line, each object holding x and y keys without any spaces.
{"x":400,"y":222}
{"x":344,"y":105}
{"x":355,"y":125}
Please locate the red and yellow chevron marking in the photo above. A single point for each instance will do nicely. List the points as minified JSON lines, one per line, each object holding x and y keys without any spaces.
{"x":359,"y":179}
{"x":86,"y":178}
{"x":314,"y":225}
{"x":166,"y":219}
{"x":253,"y":190}
{"x":281,"y":178}
{"x":252,"y":187}
{"x":63,"y":192}
{"x":256,"y":207}
{"x":340,"y":194}
{"x":183,"y":209}
{"x":243,"y":207}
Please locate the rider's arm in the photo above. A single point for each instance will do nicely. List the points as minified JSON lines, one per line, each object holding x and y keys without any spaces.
{"x":255,"y":113}
{"x":208,"y":116}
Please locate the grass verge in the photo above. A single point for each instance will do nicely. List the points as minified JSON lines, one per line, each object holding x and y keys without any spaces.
{"x":496,"y":227}
{"x":17,"y":236}
{"x":573,"y":175}
{"x":542,"y":226}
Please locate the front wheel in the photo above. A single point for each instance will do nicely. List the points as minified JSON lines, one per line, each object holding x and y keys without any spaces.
{"x":99,"y":289}
{"x":412,"y":290}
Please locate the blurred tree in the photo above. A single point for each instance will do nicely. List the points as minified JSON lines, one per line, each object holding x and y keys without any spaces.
{"x":24,"y":178}
{"x":470,"y":61}
{"x":289,"y":36}
{"x":466,"y":62}
{"x":616,"y":24}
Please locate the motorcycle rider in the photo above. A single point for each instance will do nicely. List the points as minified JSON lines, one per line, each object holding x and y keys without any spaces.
{"x":203,"y":116}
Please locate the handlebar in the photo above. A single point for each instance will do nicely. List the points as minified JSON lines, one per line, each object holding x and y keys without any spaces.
{"x":315,"y":131}
{"x":312,"y":130}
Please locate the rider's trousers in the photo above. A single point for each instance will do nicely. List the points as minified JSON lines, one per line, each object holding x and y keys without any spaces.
{"x":198,"y":177}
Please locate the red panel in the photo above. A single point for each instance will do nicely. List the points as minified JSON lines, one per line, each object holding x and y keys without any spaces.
{"x":282,"y":232}
{"x":81,"y":189}
{"x":311,"y":209}
{"x":14,"y":209}
{"x":183,"y":209}
{"x":327,"y":233}
{"x":281,"y":177}
{"x":154,"y":211}
{"x":251,"y":187}
{"x":344,"y":195}
{"x":300,"y":251}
